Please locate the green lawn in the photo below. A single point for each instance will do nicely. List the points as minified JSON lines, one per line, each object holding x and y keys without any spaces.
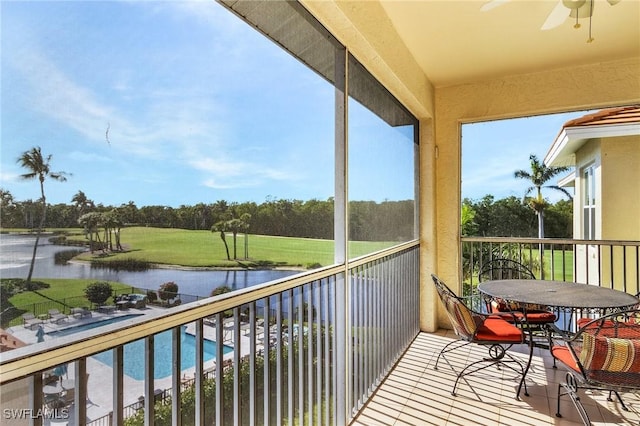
{"x":206,"y":249}
{"x":60,"y":289}
{"x":62,"y":294}
{"x":562,"y":270}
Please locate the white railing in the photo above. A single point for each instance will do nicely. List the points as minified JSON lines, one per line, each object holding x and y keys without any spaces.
{"x":304,"y":349}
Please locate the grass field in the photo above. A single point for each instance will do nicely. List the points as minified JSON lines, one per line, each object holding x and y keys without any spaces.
{"x":206,"y":249}
{"x":60,"y":289}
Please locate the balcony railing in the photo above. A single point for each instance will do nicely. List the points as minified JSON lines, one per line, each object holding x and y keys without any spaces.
{"x":306,"y":349}
{"x":612,"y":264}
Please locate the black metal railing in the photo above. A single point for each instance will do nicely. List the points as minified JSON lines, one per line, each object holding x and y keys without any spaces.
{"x":611,"y":264}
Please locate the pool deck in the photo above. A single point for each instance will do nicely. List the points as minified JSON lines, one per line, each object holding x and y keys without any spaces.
{"x":99,"y":390}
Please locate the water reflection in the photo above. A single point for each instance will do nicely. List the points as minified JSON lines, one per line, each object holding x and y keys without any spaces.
{"x":16,"y":251}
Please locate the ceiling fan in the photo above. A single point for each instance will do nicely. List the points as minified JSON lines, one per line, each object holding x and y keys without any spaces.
{"x":563,"y":9}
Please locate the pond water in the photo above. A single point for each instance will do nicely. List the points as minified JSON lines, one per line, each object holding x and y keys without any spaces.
{"x":16,"y":251}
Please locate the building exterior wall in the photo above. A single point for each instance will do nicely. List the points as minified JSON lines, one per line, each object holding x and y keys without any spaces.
{"x":368,"y":34}
{"x":620,"y":158}
{"x":620,"y":179}
{"x":617,"y":172}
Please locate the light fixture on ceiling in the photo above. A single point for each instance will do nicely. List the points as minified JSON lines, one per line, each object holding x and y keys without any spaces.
{"x":583,"y":9}
{"x":564,"y":9}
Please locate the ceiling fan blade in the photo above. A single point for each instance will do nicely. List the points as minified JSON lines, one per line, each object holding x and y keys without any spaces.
{"x":558,"y":15}
{"x":492,"y":4}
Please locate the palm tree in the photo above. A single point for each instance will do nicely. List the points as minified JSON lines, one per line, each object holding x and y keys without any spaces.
{"x":82,"y":203}
{"x":539,"y":175}
{"x":38,"y":167}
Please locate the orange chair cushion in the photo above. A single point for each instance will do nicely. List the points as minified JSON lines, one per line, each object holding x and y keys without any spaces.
{"x":495,"y":329}
{"x":563,"y":354}
{"x":536,"y":314}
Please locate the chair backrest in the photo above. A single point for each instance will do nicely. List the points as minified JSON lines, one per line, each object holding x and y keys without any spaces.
{"x":463,"y":320}
{"x":69,"y":396}
{"x":504,"y":269}
{"x":608,"y":350}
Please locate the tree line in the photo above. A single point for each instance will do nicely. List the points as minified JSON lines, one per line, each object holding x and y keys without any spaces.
{"x":514,"y":217}
{"x":369,"y":220}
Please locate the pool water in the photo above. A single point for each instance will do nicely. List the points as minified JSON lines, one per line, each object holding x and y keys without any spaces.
{"x":90,"y":326}
{"x":134,"y":360}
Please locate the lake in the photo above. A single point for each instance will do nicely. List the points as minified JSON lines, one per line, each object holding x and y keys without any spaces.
{"x":16,"y":251}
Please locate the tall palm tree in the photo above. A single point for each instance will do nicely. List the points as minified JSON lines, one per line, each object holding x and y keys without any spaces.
{"x":38,"y":167}
{"x":539,"y":175}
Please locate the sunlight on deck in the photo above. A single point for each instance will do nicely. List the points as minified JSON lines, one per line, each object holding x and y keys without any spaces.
{"x":416,"y":394}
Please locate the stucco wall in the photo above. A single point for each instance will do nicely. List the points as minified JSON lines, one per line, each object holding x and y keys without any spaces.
{"x":620,"y":176}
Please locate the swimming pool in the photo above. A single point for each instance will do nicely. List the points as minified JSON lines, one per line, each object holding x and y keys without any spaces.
{"x":89,"y":326}
{"x":134,"y":351}
{"x":134,"y":355}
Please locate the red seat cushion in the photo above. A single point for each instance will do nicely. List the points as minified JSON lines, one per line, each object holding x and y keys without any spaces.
{"x":495,"y":329}
{"x":533,"y":317}
{"x":563,"y":354}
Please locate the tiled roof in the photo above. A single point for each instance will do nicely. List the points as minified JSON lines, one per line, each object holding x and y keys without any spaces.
{"x":8,"y":341}
{"x":606,"y":117}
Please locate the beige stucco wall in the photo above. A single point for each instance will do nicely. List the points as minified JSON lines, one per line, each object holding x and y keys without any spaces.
{"x":620,"y":175}
{"x":366,"y":31}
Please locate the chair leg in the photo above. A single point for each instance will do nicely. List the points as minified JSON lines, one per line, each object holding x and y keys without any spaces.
{"x":624,"y":407}
{"x":496,"y":358}
{"x":571,"y":387}
{"x":458,"y":344}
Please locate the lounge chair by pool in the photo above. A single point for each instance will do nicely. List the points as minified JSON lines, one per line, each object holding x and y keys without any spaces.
{"x":80,"y":312}
{"x":55,"y":316}
{"x":30,"y":321}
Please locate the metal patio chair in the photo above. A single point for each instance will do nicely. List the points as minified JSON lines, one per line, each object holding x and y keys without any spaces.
{"x":486,"y":330}
{"x":603,"y":355}
{"x":507,"y":269}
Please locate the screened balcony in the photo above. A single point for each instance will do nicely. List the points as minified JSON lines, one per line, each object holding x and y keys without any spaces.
{"x":331,"y":337}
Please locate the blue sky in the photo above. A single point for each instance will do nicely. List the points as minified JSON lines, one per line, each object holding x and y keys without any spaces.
{"x":173,"y":103}
{"x":492,"y":151}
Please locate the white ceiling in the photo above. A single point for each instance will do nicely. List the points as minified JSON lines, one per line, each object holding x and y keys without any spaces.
{"x":455,"y":42}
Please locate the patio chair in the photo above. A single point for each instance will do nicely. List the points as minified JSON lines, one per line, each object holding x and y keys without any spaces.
{"x":68,"y":397}
{"x":486,"y":330}
{"x":56,"y":316}
{"x":30,"y":321}
{"x":603,"y":355}
{"x":507,"y":269}
{"x":80,"y":312}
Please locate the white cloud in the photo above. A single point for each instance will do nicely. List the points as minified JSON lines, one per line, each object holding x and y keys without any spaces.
{"x":226,"y":174}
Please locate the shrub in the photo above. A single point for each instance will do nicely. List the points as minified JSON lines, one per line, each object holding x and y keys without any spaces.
{"x":152,"y":295}
{"x":98,"y":292}
{"x":220,"y":290}
{"x":168,"y":290}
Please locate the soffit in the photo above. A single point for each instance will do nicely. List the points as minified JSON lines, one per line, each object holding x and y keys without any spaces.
{"x":454,"y":42}
{"x":606,"y":123}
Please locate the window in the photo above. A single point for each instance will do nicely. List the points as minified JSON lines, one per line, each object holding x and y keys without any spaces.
{"x":588,"y":203}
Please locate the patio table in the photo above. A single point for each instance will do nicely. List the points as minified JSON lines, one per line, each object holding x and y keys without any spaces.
{"x":559,"y":294}
{"x":562,"y":295}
